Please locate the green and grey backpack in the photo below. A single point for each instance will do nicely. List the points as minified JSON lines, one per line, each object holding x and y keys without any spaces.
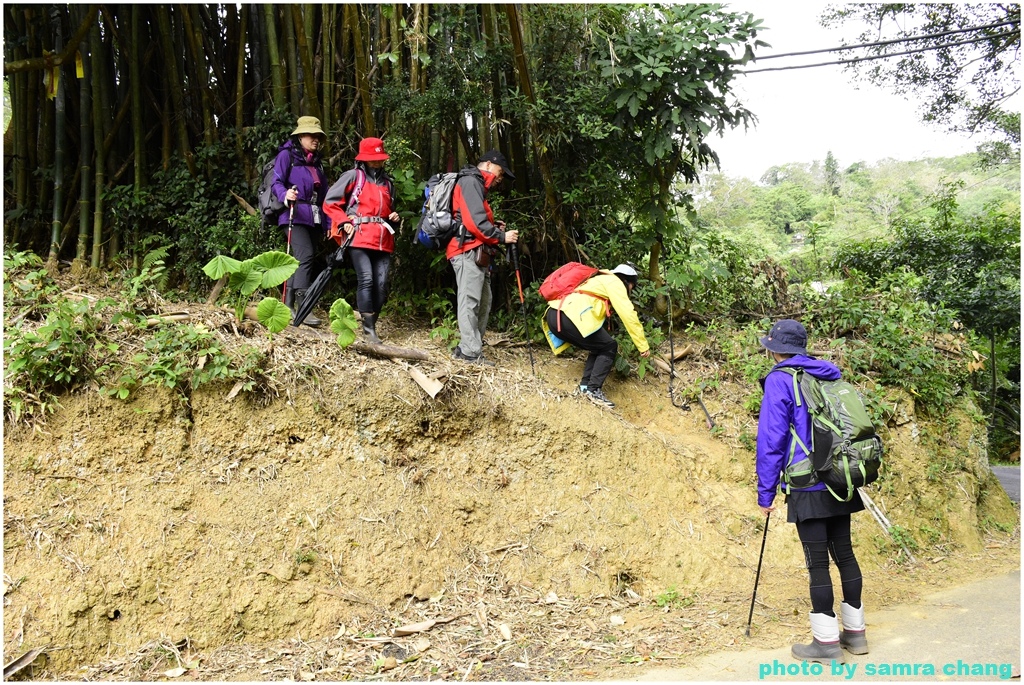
{"x":845,"y":452}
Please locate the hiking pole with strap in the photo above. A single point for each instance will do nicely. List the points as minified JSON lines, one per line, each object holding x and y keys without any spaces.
{"x":288,"y":248}
{"x":757,"y":577}
{"x":513,"y":251}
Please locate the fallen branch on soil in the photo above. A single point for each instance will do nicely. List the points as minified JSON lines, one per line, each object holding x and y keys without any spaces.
{"x":168,"y":318}
{"x":431,"y":386}
{"x":883,"y":521}
{"x":217,"y":288}
{"x":22,"y":661}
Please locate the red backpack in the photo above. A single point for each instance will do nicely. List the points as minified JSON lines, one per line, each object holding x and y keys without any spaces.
{"x":564,"y":281}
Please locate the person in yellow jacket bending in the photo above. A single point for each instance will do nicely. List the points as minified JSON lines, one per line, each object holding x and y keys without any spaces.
{"x":579,"y":318}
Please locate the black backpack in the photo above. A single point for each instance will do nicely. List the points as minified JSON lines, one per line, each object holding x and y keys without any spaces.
{"x":437,"y":226}
{"x":269,"y":206}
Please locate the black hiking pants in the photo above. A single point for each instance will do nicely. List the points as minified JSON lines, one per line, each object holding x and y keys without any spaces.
{"x":600,"y":344}
{"x":821,"y":538}
{"x":305,"y":241}
{"x":372,"y":268}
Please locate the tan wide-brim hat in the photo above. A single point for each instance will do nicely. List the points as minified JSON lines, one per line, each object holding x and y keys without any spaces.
{"x":310,"y":125}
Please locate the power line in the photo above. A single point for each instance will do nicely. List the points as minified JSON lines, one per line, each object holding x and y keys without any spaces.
{"x":886,"y":56}
{"x":887,"y":42}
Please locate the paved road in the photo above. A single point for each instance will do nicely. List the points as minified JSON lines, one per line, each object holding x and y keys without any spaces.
{"x":959,"y":634}
{"x":1009,"y":476}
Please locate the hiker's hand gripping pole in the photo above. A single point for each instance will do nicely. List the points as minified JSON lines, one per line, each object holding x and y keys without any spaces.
{"x":513,"y":250}
{"x":288,"y":247}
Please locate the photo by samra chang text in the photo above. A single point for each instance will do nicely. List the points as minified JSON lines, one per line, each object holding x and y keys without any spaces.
{"x":958,"y":668}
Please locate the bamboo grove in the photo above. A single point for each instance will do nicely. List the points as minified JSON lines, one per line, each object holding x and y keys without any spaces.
{"x":140,"y":125}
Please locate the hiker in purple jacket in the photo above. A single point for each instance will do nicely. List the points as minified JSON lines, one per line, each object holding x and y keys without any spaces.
{"x":299,"y":180}
{"x":822,"y":521}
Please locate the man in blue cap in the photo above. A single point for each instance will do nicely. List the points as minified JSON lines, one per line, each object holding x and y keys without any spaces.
{"x":822,"y":521}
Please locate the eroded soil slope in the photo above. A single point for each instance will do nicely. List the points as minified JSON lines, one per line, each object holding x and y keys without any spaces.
{"x":287,"y":531}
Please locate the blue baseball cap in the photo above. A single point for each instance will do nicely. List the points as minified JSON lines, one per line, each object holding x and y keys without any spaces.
{"x":786,"y":337}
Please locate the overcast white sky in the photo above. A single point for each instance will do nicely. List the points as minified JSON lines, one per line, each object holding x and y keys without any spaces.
{"x":804,"y":113}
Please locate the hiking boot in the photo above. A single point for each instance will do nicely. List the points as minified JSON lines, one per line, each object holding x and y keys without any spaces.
{"x":457,"y":354}
{"x":824,"y":647}
{"x":310,"y":320}
{"x":853,"y":636}
{"x":597,"y":396}
{"x":370,"y":328}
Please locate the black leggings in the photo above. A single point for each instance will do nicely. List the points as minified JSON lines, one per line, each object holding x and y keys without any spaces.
{"x":821,"y":537}
{"x":305,"y":241}
{"x":372,"y":268}
{"x":600,"y":344}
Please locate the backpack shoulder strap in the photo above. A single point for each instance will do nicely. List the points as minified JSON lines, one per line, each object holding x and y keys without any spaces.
{"x":797,"y":375}
{"x":354,"y":198}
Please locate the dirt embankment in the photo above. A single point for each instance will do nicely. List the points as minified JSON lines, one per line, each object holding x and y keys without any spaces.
{"x":544,"y":536}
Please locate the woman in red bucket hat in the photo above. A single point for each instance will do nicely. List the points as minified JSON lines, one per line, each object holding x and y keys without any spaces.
{"x":361,"y":206}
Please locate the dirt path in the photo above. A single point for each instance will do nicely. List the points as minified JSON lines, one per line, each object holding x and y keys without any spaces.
{"x":970,"y":632}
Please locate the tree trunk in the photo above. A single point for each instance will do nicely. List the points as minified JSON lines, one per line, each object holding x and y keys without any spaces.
{"x":273,"y":51}
{"x":58,"y":150}
{"x":85,"y":152}
{"x":240,"y":84}
{"x":95,"y":58}
{"x":135,"y":75}
{"x":551,"y":208}
{"x":291,"y":61}
{"x":327,"y":34}
{"x":174,"y":85}
{"x":201,"y":72}
{"x":360,"y":49}
{"x":312,"y":103}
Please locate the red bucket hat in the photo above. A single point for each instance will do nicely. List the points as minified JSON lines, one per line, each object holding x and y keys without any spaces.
{"x":371,"y":150}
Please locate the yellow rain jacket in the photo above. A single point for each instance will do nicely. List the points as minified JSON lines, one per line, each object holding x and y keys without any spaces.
{"x":588,"y":310}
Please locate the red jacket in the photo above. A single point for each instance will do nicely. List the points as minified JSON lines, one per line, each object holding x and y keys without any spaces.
{"x":374,"y":202}
{"x":470,"y":207}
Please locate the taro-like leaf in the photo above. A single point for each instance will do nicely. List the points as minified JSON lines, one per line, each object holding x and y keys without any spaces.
{"x":273,"y":314}
{"x":220,"y":265}
{"x":343,"y":322}
{"x":247,"y":279}
{"x":276,"y":267}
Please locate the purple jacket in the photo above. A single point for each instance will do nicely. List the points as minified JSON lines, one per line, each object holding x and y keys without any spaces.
{"x":778,"y":412}
{"x":293,"y":167}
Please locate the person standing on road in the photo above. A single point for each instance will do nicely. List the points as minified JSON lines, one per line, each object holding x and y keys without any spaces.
{"x":579,"y":319}
{"x":822,"y":521}
{"x":362,"y":201}
{"x":471,"y":250}
{"x":300,"y":182}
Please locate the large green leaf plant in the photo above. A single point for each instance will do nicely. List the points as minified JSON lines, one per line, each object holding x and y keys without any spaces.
{"x":267,"y":270}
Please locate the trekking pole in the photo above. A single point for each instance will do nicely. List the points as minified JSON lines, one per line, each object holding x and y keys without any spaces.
{"x":514,"y":253}
{"x":288,"y":249}
{"x":757,"y":577}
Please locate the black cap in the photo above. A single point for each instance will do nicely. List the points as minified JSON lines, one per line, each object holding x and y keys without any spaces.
{"x":496,"y":157}
{"x":786,"y":337}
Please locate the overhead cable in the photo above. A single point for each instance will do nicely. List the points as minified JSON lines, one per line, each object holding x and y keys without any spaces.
{"x":853,"y":60}
{"x":888,"y":42}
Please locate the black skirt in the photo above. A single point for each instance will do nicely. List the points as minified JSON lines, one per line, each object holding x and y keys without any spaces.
{"x":818,"y":504}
